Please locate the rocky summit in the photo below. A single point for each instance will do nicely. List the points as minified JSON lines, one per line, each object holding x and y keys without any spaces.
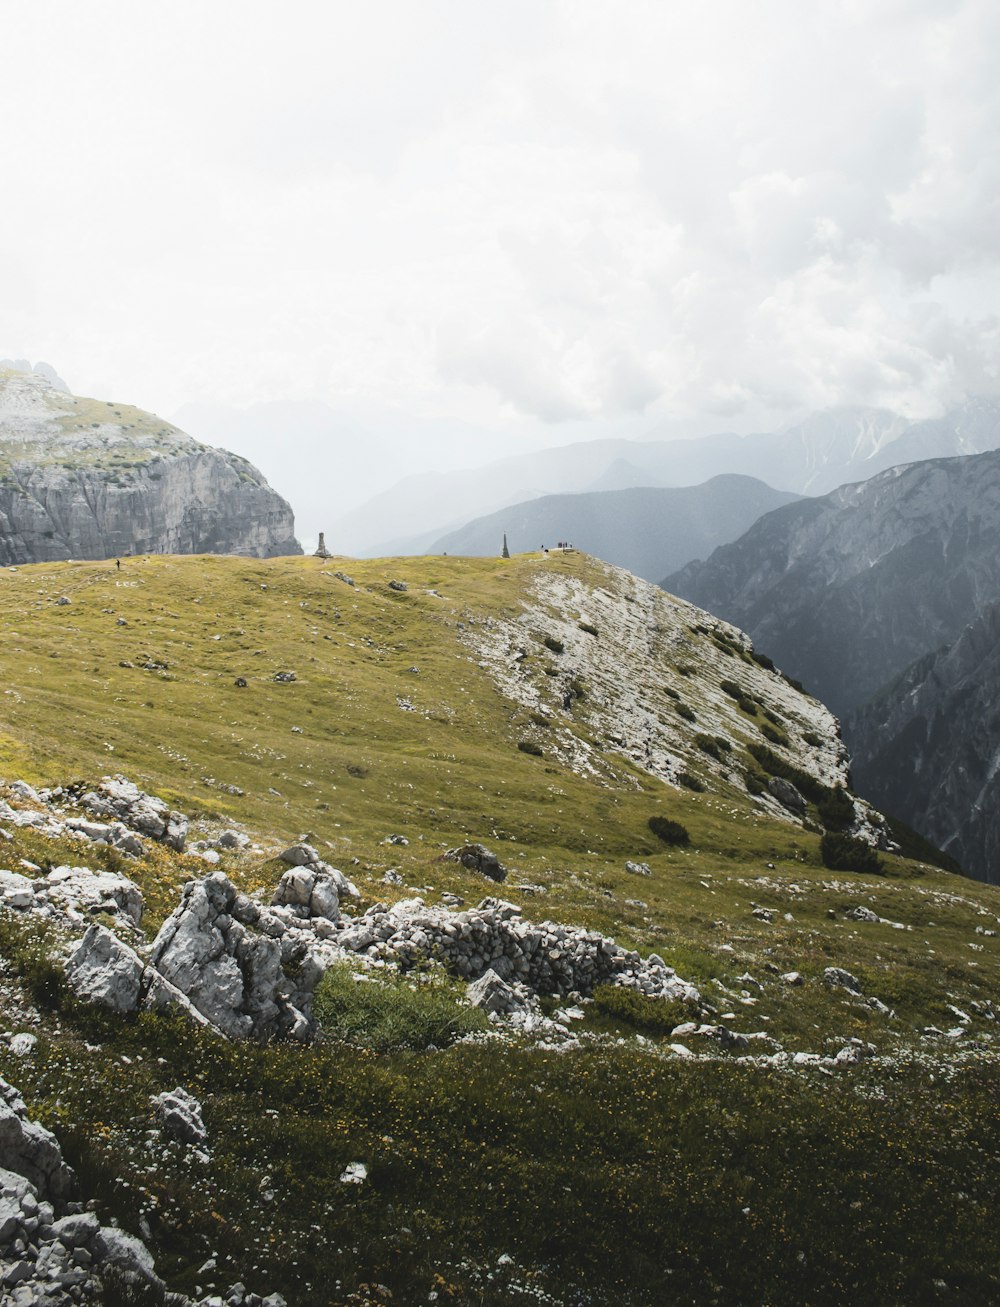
{"x":85,"y":478}
{"x":465,"y":930}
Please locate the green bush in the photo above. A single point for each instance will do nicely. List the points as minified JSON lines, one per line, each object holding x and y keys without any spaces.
{"x":691,"y":782}
{"x":529,"y":746}
{"x":837,"y":811}
{"x":684,"y":711}
{"x":769,"y":761}
{"x":414,"y":1011}
{"x":670,"y":832}
{"x":755,"y":782}
{"x":844,"y":853}
{"x":586,"y":626}
{"x":552,"y":643}
{"x":654,"y":1016}
{"x":714,"y":745}
{"x":762,"y":660}
{"x":772,"y":733}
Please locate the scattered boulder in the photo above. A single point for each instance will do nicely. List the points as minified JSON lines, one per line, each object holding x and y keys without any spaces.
{"x":30,"y":1150}
{"x":476,"y":857}
{"x":103,"y":970}
{"x":787,"y":795}
{"x":838,"y":978}
{"x":179,"y":1115}
{"x":638,"y":868}
{"x":122,"y":800}
{"x":284,"y":677}
{"x":492,"y":994}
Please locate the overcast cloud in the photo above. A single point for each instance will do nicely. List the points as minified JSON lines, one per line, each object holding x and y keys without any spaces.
{"x":530,"y":221}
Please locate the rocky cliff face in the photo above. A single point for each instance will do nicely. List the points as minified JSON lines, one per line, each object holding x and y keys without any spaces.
{"x":894,"y":578}
{"x":84,"y":479}
{"x":929,"y":747}
{"x":846,"y":591}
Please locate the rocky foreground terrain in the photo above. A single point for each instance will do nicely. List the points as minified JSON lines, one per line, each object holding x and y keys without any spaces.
{"x":465,"y":930}
{"x":82,"y":478}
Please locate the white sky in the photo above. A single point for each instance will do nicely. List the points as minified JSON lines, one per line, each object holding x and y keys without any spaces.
{"x":526,"y":221}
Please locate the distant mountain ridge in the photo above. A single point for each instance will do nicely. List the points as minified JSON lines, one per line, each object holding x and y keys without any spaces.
{"x":928,"y":747}
{"x":811,"y":457}
{"x":882,"y":598}
{"x":644,"y":530}
{"x":84,"y":478}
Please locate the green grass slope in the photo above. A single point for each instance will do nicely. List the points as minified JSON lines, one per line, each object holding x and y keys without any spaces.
{"x":616,"y":1170}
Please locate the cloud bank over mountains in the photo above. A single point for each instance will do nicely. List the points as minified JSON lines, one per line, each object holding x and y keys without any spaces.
{"x":538,"y":219}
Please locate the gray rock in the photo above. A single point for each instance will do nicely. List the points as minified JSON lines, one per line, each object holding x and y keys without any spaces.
{"x":28,"y":1149}
{"x":113,"y":1247}
{"x":179,"y":1114}
{"x":103,"y":970}
{"x":187,"y":498}
{"x":786,"y":794}
{"x":838,"y":978}
{"x":476,"y":857}
{"x":74,"y":1231}
{"x":861,"y":913}
{"x":492,"y":994}
{"x":638,"y":868}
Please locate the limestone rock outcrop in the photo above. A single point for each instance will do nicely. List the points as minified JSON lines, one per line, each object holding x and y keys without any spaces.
{"x":84,"y":479}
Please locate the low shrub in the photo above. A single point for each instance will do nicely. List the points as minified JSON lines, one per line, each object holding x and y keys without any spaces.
{"x":772,"y":733}
{"x":755,"y":782}
{"x":529,"y":746}
{"x":670,"y":832}
{"x":844,"y":853}
{"x":714,"y":745}
{"x":653,"y":1016}
{"x":837,"y":811}
{"x":691,"y":782}
{"x":762,"y":660}
{"x":556,"y":646}
{"x":586,"y":626}
{"x":769,"y":762}
{"x":684,"y":711}
{"x":416,"y":1011}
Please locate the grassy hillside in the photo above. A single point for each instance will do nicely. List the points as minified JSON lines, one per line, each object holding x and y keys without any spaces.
{"x":610,"y":1170}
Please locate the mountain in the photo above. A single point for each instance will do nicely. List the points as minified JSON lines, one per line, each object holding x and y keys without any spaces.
{"x":647,"y":530}
{"x":464,"y":930}
{"x":928,"y":748}
{"x":847,"y":591}
{"x":84,"y":478}
{"x":811,"y":457}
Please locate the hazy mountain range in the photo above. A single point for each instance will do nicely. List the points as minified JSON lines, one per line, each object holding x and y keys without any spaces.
{"x":645,"y":530}
{"x":812,"y":457}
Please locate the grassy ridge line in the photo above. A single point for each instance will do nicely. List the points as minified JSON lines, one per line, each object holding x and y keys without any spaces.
{"x":361,"y":768}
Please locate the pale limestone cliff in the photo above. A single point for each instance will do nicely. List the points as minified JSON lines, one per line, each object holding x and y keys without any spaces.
{"x":82,"y":478}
